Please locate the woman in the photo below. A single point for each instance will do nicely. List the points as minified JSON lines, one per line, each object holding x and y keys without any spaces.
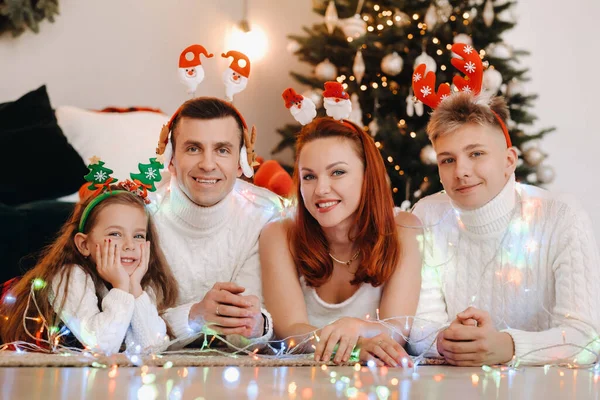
{"x":346,"y":253}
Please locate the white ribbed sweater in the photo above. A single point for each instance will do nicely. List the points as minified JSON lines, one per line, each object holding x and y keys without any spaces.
{"x":527,"y":257}
{"x":121,"y":316}
{"x":205,"y":245}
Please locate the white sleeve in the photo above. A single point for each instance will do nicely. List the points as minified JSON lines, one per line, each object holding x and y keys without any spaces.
{"x":431,"y":315}
{"x":249,"y":274}
{"x":576,"y":313}
{"x":148,"y":330}
{"x":100,"y":330}
{"x":177,"y":318}
{"x":249,"y":277}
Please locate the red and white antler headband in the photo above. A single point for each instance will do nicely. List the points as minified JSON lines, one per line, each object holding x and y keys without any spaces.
{"x":424,"y":82}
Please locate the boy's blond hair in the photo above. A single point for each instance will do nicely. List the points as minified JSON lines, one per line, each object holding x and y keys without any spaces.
{"x":464,"y":108}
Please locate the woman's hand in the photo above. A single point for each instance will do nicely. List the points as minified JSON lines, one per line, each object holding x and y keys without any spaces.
{"x":344,"y":333}
{"x":384,"y":351}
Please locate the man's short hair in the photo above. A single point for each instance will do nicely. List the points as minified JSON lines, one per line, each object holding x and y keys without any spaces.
{"x":207,"y":108}
{"x":464,"y":108}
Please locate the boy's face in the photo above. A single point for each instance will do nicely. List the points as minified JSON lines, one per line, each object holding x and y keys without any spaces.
{"x":206,"y":158}
{"x":474,"y":164}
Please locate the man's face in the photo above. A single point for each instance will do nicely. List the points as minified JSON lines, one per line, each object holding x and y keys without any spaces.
{"x":206,"y":158}
{"x":474,"y":164}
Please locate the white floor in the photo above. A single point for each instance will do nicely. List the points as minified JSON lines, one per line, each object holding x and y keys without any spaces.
{"x":430,"y":382}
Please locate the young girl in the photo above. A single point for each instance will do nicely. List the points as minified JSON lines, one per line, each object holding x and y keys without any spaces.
{"x":346,"y":253}
{"x":103,"y":277}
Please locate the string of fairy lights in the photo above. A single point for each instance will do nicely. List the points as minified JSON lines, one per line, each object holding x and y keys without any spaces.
{"x":389,"y":19}
{"x":47,"y":338}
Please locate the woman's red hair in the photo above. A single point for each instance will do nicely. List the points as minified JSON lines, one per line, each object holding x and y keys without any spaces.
{"x":375,"y":237}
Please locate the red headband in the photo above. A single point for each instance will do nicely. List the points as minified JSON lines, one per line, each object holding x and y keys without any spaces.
{"x":349,"y":125}
{"x":470,"y":65}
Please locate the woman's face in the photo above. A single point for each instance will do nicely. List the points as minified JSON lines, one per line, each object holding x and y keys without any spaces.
{"x":331,"y":180}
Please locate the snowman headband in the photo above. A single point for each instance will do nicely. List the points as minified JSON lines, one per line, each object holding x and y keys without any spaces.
{"x":235,"y":79}
{"x":335,"y":100}
{"x":471,"y":65}
{"x":100,"y":181}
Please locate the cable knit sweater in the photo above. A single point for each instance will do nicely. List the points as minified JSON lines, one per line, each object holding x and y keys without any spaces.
{"x":205,"y":245}
{"x":121,"y":317}
{"x":527,"y":257}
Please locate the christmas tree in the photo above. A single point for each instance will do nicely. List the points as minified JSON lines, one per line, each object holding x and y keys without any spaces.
{"x":372,"y":48}
{"x":98,"y":175}
{"x":149,"y":173}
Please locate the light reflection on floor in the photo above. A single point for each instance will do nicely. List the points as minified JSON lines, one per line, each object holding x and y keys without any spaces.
{"x":298,"y":383}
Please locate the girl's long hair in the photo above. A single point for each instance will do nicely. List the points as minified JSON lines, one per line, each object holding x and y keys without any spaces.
{"x":58,"y":260}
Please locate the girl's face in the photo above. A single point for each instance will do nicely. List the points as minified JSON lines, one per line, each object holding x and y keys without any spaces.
{"x":332,"y":176}
{"x":125,"y":226}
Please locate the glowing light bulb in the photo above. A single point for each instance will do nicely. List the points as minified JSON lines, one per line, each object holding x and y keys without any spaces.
{"x":231,"y":374}
{"x":253,"y":42}
{"x":38,"y":284}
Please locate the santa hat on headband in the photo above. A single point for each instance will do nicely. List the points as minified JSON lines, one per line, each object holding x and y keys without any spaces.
{"x":336,"y":101}
{"x":302,"y":109}
{"x":236,"y":76}
{"x":240,"y":63}
{"x":191,"y":72}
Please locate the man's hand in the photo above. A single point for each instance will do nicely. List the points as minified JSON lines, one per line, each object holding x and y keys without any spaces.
{"x":466,"y":345}
{"x":225,"y":311}
{"x":256,"y":329}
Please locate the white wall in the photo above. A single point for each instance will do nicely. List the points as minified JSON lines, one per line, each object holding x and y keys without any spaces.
{"x":124,"y":53}
{"x":111,"y":52}
{"x":562,"y":38}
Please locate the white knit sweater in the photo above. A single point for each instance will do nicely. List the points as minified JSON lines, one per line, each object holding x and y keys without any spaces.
{"x":121,"y":316}
{"x":205,"y":245}
{"x":527,"y":257}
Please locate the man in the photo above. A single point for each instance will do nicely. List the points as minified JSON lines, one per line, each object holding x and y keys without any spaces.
{"x":209,"y":224}
{"x":511,"y":272}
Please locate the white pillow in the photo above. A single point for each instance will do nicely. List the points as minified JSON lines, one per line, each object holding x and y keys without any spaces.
{"x":121,"y":140}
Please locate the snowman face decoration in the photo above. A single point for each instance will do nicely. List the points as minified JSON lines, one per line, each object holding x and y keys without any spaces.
{"x":191,"y":77}
{"x":235,"y":77}
{"x":190,"y":72}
